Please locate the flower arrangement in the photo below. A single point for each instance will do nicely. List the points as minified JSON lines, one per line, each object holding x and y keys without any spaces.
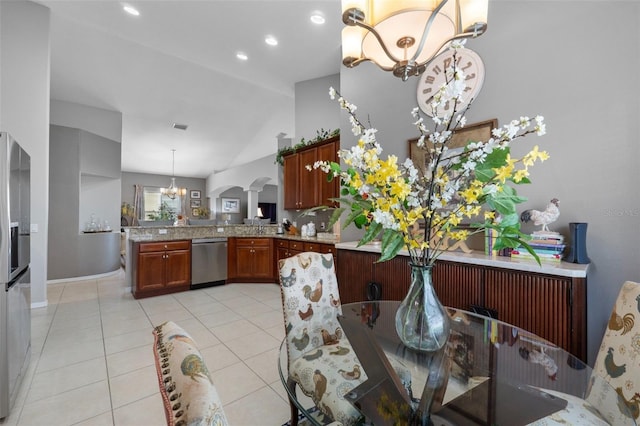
{"x":473,"y":183}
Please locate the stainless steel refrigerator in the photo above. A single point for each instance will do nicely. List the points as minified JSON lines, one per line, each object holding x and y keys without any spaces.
{"x":15,"y":277}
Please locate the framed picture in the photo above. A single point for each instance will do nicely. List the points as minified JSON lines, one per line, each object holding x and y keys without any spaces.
{"x":472,"y":132}
{"x":230,"y":205}
{"x":194,"y":194}
{"x":195,"y":212}
{"x":195,"y":203}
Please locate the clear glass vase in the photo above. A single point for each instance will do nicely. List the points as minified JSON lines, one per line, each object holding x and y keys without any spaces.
{"x":422,"y":323}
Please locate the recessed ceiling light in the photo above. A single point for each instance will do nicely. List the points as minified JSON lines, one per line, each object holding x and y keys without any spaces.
{"x":179,"y":126}
{"x":131,"y":10}
{"x":242,"y":56}
{"x":317,"y":18}
{"x":271,"y":40}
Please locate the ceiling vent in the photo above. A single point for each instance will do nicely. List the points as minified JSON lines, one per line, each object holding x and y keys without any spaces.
{"x":179,"y":126}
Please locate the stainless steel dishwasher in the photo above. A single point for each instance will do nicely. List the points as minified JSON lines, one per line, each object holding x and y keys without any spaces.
{"x":208,"y":262}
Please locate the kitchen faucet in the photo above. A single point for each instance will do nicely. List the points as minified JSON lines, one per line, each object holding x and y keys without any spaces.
{"x":260,"y":224}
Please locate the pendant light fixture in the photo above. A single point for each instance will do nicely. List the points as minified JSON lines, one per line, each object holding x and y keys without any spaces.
{"x":403,"y":36}
{"x":172,"y":190}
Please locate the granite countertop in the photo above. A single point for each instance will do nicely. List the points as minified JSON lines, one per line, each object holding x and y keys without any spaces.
{"x":190,"y":232}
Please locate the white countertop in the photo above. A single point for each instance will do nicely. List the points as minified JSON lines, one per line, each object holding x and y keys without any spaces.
{"x":564,"y":269}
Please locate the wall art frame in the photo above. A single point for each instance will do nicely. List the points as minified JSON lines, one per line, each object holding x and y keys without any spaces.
{"x":230,"y":205}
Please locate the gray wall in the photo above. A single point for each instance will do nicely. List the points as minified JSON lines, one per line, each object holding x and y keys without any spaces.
{"x":161,"y":181}
{"x":24,"y":113}
{"x":80,"y":186}
{"x":572,"y":62}
{"x":314,"y":109}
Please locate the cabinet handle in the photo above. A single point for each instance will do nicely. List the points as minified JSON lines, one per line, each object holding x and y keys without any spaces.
{"x":165,"y":246}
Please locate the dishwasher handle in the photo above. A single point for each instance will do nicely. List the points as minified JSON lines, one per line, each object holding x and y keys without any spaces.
{"x":208,"y":240}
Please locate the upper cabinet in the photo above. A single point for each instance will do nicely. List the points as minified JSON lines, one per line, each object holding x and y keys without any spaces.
{"x":304,"y":189}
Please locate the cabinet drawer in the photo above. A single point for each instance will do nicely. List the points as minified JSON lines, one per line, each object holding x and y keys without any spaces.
{"x":253,"y":242}
{"x":282,"y":243}
{"x":164,"y":245}
{"x":320,"y":248}
{"x":296,"y":245}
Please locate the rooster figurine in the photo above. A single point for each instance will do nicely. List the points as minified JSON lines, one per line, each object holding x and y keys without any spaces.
{"x":544,"y":218}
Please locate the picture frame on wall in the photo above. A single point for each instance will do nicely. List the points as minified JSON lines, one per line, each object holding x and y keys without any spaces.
{"x":230,"y":205}
{"x":195,"y":203}
{"x":195,"y":212}
{"x":480,"y":131}
{"x":194,"y":194}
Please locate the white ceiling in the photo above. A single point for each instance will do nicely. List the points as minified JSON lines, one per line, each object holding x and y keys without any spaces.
{"x":176,"y":63}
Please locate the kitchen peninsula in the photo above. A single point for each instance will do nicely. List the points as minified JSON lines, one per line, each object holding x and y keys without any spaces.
{"x":158,"y":259}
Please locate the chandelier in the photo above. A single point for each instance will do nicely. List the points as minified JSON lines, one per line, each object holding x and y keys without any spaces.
{"x":403,"y":36}
{"x":172,"y":190}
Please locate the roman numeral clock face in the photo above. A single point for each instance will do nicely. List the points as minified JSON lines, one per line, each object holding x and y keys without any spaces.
{"x":434,"y":77}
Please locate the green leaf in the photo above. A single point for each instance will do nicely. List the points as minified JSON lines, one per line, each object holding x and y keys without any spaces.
{"x":372,"y":231}
{"x":335,"y":216}
{"x":509,"y":220}
{"x":392,"y":243}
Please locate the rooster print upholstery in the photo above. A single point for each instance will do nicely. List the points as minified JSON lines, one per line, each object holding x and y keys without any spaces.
{"x":318,"y":353}
{"x":187,"y":392}
{"x":618,"y":360}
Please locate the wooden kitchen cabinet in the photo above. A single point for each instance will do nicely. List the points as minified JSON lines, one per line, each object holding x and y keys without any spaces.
{"x":250,"y":260}
{"x":550,"y":306}
{"x":304,"y":189}
{"x":286,"y":248}
{"x":161,"y":267}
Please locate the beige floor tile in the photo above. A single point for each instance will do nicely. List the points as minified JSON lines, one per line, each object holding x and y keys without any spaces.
{"x":52,"y":382}
{"x":123,"y":342}
{"x":61,"y":339}
{"x":218,"y":357}
{"x":234,"y":330}
{"x":219,"y":318}
{"x":265,"y":365}
{"x":276,"y":331}
{"x":104,"y":419}
{"x":267,"y":319}
{"x":133,"y":386}
{"x":235,"y":382}
{"x":199,"y":308}
{"x":129,"y":360}
{"x":253,"y":344}
{"x":115,"y":328}
{"x":144,"y":412}
{"x":71,"y":354}
{"x":69,"y":407}
{"x":263,"y":407}
{"x":176,"y":314}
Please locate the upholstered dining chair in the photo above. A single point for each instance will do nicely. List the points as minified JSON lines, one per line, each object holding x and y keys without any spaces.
{"x":615,"y":380}
{"x":618,"y":360}
{"x":188,"y":394}
{"x":321,"y":361}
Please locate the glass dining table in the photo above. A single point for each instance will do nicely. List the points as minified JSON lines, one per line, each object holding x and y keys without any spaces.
{"x":489,"y":373}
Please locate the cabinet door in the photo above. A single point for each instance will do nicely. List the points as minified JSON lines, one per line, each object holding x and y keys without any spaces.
{"x":244,"y":261}
{"x":290,"y":181}
{"x":151,"y":271}
{"x":178,"y":264}
{"x":262,"y":262}
{"x":308,"y":190}
{"x":328,"y":152}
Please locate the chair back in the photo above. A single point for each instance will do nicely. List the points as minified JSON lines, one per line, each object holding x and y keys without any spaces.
{"x":617,"y":360}
{"x":310,"y":302}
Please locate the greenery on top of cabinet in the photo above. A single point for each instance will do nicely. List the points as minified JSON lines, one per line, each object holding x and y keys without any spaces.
{"x":321,"y":135}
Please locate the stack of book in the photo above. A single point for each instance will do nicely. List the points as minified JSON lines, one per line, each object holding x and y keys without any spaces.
{"x":548,"y":246}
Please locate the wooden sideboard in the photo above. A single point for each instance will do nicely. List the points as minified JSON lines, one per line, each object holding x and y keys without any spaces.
{"x":550,"y":303}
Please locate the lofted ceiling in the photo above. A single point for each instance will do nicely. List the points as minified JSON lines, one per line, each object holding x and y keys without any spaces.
{"x":176,"y":63}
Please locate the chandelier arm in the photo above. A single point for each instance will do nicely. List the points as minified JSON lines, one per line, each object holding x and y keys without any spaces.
{"x":382,"y":44}
{"x":456,"y":37}
{"x":427,"y":28}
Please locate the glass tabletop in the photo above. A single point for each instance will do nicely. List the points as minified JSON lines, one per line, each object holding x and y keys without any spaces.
{"x":489,"y":373}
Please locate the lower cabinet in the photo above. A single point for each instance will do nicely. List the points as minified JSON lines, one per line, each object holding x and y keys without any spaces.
{"x":287,"y":248}
{"x":250,"y":260}
{"x":161,"y":267}
{"x":550,"y":306}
